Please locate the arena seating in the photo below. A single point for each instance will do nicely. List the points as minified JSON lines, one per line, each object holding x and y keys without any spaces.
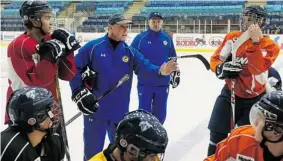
{"x":105,"y":6}
{"x":103,"y":10}
{"x":184,"y":11}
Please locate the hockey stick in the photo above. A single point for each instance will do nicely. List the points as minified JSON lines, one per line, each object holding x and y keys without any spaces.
{"x":119,"y":83}
{"x":62,"y":121}
{"x":242,"y":39}
{"x":198,"y":56}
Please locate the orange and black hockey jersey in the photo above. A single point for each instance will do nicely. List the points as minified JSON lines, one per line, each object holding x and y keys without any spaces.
{"x":255,"y":60}
{"x":239,"y":146}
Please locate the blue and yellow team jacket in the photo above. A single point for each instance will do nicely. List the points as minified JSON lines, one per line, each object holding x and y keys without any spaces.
{"x":157,"y":47}
{"x":111,"y":66}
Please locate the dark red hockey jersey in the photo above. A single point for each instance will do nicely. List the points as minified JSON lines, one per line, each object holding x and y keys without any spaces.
{"x":25,"y":68}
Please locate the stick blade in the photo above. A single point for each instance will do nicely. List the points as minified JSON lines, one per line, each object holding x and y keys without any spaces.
{"x":204,"y":61}
{"x":198,"y":56}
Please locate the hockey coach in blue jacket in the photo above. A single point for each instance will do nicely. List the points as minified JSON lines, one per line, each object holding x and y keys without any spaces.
{"x":100,"y":64}
{"x":156,"y":46}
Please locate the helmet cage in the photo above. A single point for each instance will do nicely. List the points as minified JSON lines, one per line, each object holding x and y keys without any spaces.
{"x":33,"y":120}
{"x":140,"y":147}
{"x":52,"y":112}
{"x":271,"y":122}
{"x":141,"y":155}
{"x":251,"y":18}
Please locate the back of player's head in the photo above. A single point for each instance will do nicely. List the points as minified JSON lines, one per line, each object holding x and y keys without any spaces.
{"x":30,"y":106}
{"x":141,"y":132}
{"x":32,"y":10}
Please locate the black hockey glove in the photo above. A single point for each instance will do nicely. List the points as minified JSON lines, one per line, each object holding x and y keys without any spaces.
{"x":51,"y":50}
{"x":67,"y":39}
{"x":85,"y":100}
{"x":228,"y":70}
{"x":89,"y":78}
{"x":175,"y":78}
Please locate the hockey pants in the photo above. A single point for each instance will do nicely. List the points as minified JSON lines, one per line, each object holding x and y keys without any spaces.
{"x":154,"y":100}
{"x":94,"y":135}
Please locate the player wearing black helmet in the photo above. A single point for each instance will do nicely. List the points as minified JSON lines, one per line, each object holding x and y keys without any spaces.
{"x":39,"y":15}
{"x":139,"y":137}
{"x":37,"y":57}
{"x":32,"y":56}
{"x":243,"y":60}
{"x":34,"y":117}
{"x":260,"y":141}
{"x":255,"y":15}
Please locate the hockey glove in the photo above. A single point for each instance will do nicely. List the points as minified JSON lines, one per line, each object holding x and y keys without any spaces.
{"x":175,"y":79}
{"x":51,"y":50}
{"x":89,"y":78}
{"x":67,"y":39}
{"x":228,"y":70}
{"x":85,"y":100}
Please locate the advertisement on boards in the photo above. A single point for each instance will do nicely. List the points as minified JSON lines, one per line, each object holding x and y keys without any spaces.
{"x":202,"y":43}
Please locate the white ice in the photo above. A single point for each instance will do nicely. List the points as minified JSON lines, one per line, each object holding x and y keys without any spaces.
{"x":189,"y":109}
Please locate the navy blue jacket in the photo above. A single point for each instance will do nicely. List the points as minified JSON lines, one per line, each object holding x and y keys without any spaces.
{"x":111,"y":66}
{"x":156,"y":47}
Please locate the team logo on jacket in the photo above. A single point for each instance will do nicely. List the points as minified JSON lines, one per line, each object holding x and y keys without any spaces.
{"x":165,"y":42}
{"x":125,"y":59}
{"x":244,"y":158}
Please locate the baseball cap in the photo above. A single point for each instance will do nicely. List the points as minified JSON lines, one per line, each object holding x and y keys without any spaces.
{"x":118,"y":19}
{"x":155,"y":14}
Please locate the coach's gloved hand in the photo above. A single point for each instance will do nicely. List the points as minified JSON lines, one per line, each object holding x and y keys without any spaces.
{"x":67,"y":39}
{"x":51,"y":50}
{"x":175,"y":78}
{"x":89,"y":78}
{"x":228,"y":70}
{"x":85,"y":100}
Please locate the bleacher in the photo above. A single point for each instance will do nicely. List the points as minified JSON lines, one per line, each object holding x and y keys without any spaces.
{"x":10,"y":16}
{"x":196,"y":9}
{"x":275,"y":11}
{"x":94,"y":23}
{"x":217,"y":12}
{"x":103,"y":9}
